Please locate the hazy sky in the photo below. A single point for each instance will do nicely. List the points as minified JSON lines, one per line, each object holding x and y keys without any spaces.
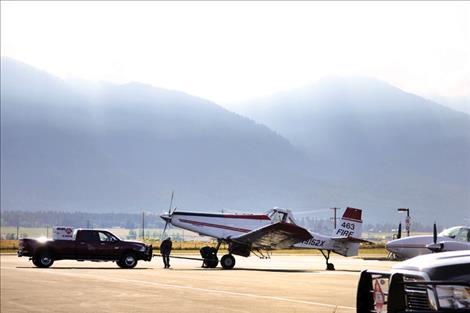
{"x":231,"y":51}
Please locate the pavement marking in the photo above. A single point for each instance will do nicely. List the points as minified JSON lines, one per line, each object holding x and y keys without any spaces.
{"x":217,"y":291}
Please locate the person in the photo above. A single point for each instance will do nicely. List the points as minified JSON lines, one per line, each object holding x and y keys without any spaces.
{"x":165,"y":250}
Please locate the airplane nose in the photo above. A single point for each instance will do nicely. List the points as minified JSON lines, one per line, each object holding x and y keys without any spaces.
{"x":390,"y":246}
{"x":166,"y":217}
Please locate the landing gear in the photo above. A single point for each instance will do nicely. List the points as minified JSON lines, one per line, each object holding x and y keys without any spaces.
{"x":227,"y":262}
{"x":329,"y":266}
{"x":209,"y":254}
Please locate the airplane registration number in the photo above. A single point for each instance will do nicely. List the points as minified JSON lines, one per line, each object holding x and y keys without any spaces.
{"x":314,"y":242}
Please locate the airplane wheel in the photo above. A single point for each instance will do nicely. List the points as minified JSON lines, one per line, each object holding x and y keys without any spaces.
{"x":330,"y":267}
{"x":227,"y":261}
{"x":212,"y":262}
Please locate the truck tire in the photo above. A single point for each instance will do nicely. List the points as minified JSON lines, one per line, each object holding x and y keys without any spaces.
{"x":36,"y":261}
{"x":43,"y":259}
{"x":227,"y":262}
{"x":128,"y":260}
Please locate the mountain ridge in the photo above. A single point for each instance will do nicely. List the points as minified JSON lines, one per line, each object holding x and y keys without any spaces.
{"x":123,"y":148}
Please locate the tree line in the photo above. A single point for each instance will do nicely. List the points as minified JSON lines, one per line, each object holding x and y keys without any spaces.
{"x":80,"y":219}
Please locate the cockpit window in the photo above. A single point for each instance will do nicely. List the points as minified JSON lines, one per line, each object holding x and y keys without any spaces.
{"x":463,"y":234}
{"x":277,"y":217}
{"x":450,"y":232}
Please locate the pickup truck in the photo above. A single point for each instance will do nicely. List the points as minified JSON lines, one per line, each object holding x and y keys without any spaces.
{"x":86,"y":244}
{"x":432,"y":283}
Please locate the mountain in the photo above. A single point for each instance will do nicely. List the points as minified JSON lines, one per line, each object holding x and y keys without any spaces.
{"x":401,"y":148}
{"x":126,"y":147}
{"x":102,"y":147}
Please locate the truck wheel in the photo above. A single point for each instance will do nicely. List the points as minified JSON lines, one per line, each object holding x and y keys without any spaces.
{"x":127,"y":261}
{"x":43,"y":260}
{"x":36,"y":261}
{"x":227,"y":262}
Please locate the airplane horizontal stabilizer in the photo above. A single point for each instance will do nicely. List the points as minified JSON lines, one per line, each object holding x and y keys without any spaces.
{"x":351,"y":239}
{"x":274,"y":236}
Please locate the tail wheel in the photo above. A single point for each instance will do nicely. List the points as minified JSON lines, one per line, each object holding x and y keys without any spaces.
{"x":128,"y":260}
{"x":43,"y":259}
{"x":227,"y":261}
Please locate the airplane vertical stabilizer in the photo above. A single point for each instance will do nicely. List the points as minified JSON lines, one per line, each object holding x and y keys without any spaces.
{"x":350,"y":224}
{"x":348,"y":232}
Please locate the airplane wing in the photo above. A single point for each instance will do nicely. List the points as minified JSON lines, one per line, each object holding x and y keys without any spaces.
{"x":274,"y":236}
{"x":350,"y":239}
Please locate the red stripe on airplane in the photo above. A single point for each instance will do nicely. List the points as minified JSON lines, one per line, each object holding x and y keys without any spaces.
{"x":247,"y":216}
{"x":197,"y":223}
{"x":352,"y":213}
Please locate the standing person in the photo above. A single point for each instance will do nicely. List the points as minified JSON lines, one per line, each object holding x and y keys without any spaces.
{"x":165,"y":250}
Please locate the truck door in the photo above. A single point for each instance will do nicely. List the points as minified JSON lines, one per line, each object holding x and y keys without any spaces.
{"x":108,"y":245}
{"x":87,"y":244}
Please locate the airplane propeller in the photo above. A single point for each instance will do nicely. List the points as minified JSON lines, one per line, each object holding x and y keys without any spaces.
{"x":435,"y":246}
{"x":167,"y":218}
{"x":399,"y":231}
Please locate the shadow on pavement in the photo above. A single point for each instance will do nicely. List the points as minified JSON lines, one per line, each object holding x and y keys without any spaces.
{"x":84,"y":268}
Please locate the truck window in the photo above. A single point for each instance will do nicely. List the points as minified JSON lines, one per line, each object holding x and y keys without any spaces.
{"x":104,"y":237}
{"x":88,"y":236}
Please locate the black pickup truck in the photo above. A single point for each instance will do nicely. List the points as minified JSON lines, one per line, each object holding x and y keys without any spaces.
{"x":438,"y":282}
{"x":86,"y":244}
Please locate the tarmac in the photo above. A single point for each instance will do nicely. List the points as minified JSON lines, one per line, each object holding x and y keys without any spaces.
{"x":284,"y":283}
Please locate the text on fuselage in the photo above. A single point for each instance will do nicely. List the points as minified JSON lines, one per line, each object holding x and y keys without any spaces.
{"x":314,"y":242}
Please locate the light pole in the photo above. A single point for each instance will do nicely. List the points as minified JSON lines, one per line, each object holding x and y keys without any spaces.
{"x":334,"y":216}
{"x":407,"y":222}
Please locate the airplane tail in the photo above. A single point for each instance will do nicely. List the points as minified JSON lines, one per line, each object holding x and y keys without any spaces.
{"x":347,"y":235}
{"x":350,"y":224}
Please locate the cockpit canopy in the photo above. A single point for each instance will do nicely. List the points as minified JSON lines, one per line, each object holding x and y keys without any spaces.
{"x":461,"y":233}
{"x":281,"y":215}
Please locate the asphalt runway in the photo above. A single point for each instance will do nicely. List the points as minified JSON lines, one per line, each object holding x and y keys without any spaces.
{"x":294,"y":283}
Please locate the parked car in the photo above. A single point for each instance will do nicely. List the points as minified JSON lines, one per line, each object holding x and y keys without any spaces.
{"x":85,"y":244}
{"x":438,"y":282}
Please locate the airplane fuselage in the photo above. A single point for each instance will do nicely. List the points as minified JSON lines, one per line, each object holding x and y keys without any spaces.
{"x":410,"y":247}
{"x":219,"y":225}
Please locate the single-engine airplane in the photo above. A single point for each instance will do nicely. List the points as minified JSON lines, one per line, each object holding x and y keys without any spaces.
{"x":261,"y":233}
{"x":451,"y":239}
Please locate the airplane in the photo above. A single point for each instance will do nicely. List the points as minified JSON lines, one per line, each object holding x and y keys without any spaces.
{"x":451,"y":239}
{"x":261,"y":233}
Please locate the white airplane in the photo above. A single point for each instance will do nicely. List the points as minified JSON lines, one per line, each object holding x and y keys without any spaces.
{"x":451,"y":239}
{"x":261,"y":233}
